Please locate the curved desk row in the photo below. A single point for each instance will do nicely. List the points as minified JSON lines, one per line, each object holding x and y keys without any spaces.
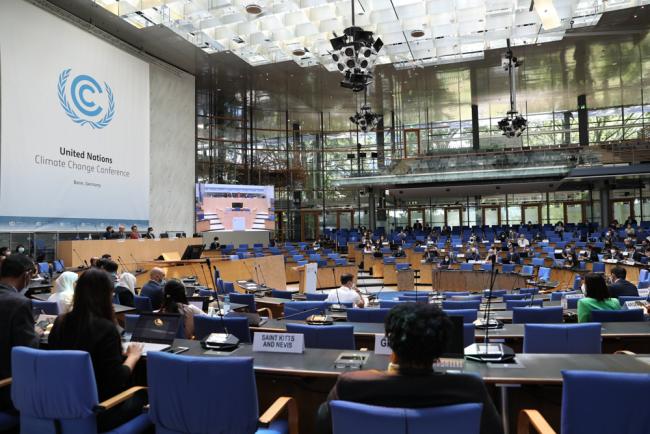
{"x":308,"y":377}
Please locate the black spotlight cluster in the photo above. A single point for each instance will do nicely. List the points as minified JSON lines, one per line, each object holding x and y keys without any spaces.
{"x":513,"y":126}
{"x":355,"y":53}
{"x":365,"y":119}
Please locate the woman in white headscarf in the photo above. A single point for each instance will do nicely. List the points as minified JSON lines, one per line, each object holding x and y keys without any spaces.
{"x":63,"y":291}
{"x":125,"y":289}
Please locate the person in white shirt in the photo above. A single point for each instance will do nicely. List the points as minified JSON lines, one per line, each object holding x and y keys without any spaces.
{"x":63,"y":291}
{"x":522,"y":241}
{"x":347,"y":293}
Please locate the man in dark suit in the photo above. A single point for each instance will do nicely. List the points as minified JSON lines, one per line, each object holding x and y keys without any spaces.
{"x":620,"y":285}
{"x":16,"y":319}
{"x":417,"y":333}
{"x":154,"y":287}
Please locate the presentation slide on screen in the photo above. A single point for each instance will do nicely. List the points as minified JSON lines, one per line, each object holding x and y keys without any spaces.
{"x":74,"y":126}
{"x":226,"y":207}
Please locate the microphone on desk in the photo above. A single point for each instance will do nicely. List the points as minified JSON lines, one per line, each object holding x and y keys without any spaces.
{"x":219,"y":341}
{"x":486,"y":352}
{"x":302,"y":312}
{"x":81,"y":261}
{"x":121,"y":262}
{"x":137,"y":267}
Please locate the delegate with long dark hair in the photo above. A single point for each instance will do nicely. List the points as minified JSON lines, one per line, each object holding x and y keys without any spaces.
{"x":91,"y":326}
{"x":596,"y":297}
{"x":175,"y":301}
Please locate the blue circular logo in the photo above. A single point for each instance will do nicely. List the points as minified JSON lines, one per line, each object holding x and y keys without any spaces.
{"x":85,"y":92}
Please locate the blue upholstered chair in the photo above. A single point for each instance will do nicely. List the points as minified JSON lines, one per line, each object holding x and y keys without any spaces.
{"x":508,"y":268}
{"x":469,"y":332}
{"x":466,"y":266}
{"x":8,"y":420}
{"x":142,"y":303}
{"x":448,"y":294}
{"x":557,"y":295}
{"x":183,"y":397}
{"x":625,"y":298}
{"x":598,"y":403}
{"x":423,"y":298}
{"x":538,"y":262}
{"x":58,"y":266}
{"x":278,"y":293}
{"x":471,"y":304}
{"x":469,"y":315}
{"x":46,"y":307}
{"x":236,"y":325}
{"x":55,"y":393}
{"x":347,"y":417}
{"x":562,"y":338}
{"x":523,"y":303}
{"x":367,"y":315}
{"x":316,"y":296}
{"x":623,"y":315}
{"x":527,"y":270}
{"x":508,"y":297}
{"x":495,"y":292}
{"x":598,"y":267}
{"x":529,"y":290}
{"x":389,"y":304}
{"x":299,"y":310}
{"x":401,"y":266}
{"x":538,"y":315}
{"x":337,"y":337}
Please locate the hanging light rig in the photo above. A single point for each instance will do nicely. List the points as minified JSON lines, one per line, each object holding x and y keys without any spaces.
{"x":366,"y":119}
{"x":513,"y":125}
{"x":355,"y":53}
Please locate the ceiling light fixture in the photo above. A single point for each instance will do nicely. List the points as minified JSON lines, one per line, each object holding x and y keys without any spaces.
{"x":253,"y":9}
{"x":355,"y":53}
{"x":513,"y":125}
{"x":418,"y":33}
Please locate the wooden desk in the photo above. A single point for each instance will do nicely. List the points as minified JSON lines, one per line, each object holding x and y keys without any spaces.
{"x":267,"y":269}
{"x":473,"y":281}
{"x":309,"y":377}
{"x":142,"y":250}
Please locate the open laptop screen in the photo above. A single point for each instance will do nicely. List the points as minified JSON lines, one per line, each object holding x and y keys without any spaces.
{"x":156,"y":328}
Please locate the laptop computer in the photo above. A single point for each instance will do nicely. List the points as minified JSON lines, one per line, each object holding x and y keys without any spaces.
{"x":156,"y":331}
{"x":201,"y":302}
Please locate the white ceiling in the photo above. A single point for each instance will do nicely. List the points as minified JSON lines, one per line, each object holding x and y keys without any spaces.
{"x":454,"y":30}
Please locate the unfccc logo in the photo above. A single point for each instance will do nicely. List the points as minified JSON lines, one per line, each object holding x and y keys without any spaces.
{"x":91,"y":105}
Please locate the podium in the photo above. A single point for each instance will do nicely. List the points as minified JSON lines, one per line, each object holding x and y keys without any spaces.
{"x":405,"y":280}
{"x":326,"y":277}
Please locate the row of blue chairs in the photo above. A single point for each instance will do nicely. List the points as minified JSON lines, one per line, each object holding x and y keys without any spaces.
{"x":55,"y":392}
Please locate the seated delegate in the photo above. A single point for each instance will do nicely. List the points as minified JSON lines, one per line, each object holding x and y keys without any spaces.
{"x":347,"y":293}
{"x":417,"y":333}
{"x":175,"y":301}
{"x":596,"y":297}
{"x":16,"y":319}
{"x":91,"y":326}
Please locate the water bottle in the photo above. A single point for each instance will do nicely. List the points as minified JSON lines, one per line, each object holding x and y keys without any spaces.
{"x":226,"y":304}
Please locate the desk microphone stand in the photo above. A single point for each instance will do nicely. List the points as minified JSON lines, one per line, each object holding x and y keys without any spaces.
{"x":486,"y":352}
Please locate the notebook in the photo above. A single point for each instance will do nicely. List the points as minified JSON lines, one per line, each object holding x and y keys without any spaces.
{"x":156,"y":331}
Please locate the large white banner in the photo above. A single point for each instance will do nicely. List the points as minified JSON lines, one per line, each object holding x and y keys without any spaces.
{"x":74,"y":126}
